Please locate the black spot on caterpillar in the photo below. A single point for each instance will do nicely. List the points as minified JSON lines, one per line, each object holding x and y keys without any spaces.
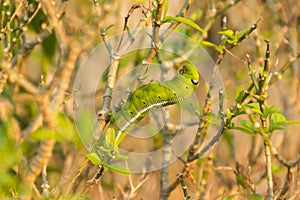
{"x":154,"y":95}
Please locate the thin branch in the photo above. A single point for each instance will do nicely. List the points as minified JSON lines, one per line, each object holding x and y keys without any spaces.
{"x":269,"y":172}
{"x":93,"y":181}
{"x":15,"y":77}
{"x":174,"y":24}
{"x":102,"y":114}
{"x":24,"y":50}
{"x":45,"y":185}
{"x":134,"y":189}
{"x":106,"y":43}
{"x":155,"y":43}
{"x":203,"y":186}
{"x":110,"y":84}
{"x":211,"y":143}
{"x":67,"y":63}
{"x":3,"y":79}
{"x":215,"y":139}
{"x":287,"y":183}
{"x":202,"y":128}
{"x":219,"y":133}
{"x":115,"y":59}
{"x":183,"y":186}
{"x":29,"y":46}
{"x":167,"y":153}
{"x":45,"y":149}
{"x":70,"y":178}
{"x":211,"y":20}
{"x":130,"y":12}
{"x":262,"y":87}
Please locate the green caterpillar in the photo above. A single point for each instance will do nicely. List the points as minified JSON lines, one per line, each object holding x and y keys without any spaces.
{"x":154,"y":95}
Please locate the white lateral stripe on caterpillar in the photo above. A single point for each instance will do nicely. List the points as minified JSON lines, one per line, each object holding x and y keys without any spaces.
{"x":144,"y":110}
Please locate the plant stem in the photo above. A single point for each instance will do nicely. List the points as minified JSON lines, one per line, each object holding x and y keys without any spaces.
{"x":269,"y":171}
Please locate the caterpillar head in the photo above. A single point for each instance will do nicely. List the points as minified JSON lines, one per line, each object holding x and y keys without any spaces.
{"x":191,"y":73}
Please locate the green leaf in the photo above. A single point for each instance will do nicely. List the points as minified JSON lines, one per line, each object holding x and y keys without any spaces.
{"x":109,"y":27}
{"x":269,"y":110}
{"x":166,"y":7}
{"x":85,"y":126}
{"x":9,"y":150}
{"x":7,"y":93}
{"x":208,"y":44}
{"x":244,"y":32}
{"x":244,"y":196}
{"x":220,"y":49}
{"x":65,"y":128}
{"x":110,"y":138}
{"x":94,"y":158}
{"x":228,"y":33}
{"x":277,"y":118}
{"x":278,"y":121}
{"x":277,"y":168}
{"x":240,"y":91}
{"x":207,"y":88}
{"x":248,"y":125}
{"x":121,"y":157}
{"x":119,"y":169}
{"x":196,"y":15}
{"x":254,"y":107}
{"x":183,"y":20}
{"x":231,"y":37}
{"x":228,"y":114}
{"x":211,"y":118}
{"x":245,"y":130}
{"x":104,"y":149}
{"x":254,"y":197}
{"x":43,"y":133}
{"x":49,"y":45}
{"x":230,"y":197}
{"x":154,"y":11}
{"x":104,"y":75}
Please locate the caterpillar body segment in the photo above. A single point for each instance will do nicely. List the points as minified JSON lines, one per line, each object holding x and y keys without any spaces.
{"x":154,"y":95}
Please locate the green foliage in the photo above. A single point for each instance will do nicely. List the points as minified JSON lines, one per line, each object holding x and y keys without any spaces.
{"x":244,"y":196}
{"x":234,"y":38}
{"x":277,"y":168}
{"x":154,"y":95}
{"x":166,"y":8}
{"x":248,"y":127}
{"x":93,"y":157}
{"x":229,"y":38}
{"x":43,"y":133}
{"x":196,"y":15}
{"x":271,"y":113}
{"x":240,"y":93}
{"x":119,"y":169}
{"x":184,"y":20}
{"x":10,"y":157}
{"x":49,"y":46}
{"x":64,"y":131}
{"x":85,"y":126}
{"x":278,"y":121}
{"x":105,"y":153}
